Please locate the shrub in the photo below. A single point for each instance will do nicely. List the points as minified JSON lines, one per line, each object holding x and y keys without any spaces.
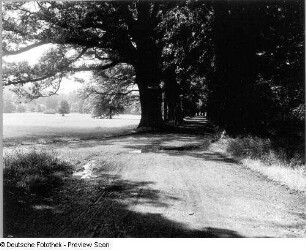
{"x":39,"y":108}
{"x":21,"y":109}
{"x":50,"y":111}
{"x":64,"y":108}
{"x":8,"y":106}
{"x":34,"y":171}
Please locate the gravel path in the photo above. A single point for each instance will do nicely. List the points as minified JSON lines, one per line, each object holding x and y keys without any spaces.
{"x":161,"y":185}
{"x":201,"y":189}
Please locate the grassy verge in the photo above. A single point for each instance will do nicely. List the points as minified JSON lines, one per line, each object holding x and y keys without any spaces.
{"x":263,"y":156}
{"x":37,"y":172}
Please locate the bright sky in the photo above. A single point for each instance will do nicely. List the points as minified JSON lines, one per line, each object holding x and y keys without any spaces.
{"x":32,"y":56}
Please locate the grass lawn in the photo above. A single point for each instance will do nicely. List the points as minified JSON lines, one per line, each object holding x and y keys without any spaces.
{"x":21,"y":127}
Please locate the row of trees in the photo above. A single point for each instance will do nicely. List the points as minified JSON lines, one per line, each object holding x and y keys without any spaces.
{"x":50,"y":105}
{"x":13,"y":103}
{"x":10,"y":107}
{"x":84,"y":100}
{"x":243,"y":62}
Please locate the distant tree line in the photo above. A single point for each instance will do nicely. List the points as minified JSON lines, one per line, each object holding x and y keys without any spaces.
{"x":76,"y":102}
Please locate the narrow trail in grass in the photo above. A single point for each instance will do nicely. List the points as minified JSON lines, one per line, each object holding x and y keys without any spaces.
{"x":160,"y":185}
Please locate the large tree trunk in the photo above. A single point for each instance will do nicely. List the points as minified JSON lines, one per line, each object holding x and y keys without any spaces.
{"x":148,"y":68}
{"x":165,"y":107}
{"x":110,"y":113}
{"x":148,"y":80}
{"x":150,"y":101}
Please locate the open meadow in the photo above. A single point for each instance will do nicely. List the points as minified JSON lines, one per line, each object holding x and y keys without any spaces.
{"x":23,"y":128}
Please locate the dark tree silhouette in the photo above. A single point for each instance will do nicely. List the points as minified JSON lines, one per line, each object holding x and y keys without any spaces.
{"x":258,"y":64}
{"x":186,"y":57}
{"x":243,"y":60}
{"x":105,"y":33}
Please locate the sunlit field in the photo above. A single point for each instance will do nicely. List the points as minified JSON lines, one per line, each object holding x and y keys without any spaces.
{"x":39,"y":126}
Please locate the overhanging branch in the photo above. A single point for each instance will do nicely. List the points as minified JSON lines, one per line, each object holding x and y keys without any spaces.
{"x":27,"y":48}
{"x":93,"y":68}
{"x":63,"y":70}
{"x":94,"y":91}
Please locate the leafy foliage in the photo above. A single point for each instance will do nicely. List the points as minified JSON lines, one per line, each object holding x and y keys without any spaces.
{"x":242,"y":62}
{"x":187,"y":51}
{"x":254,"y":65}
{"x":102,"y":34}
{"x":111,"y":90}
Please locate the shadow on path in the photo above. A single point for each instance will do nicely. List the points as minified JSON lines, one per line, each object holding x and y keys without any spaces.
{"x":96,"y":207}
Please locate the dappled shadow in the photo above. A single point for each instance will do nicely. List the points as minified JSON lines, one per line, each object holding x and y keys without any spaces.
{"x":195,"y":151}
{"x":196,"y":146}
{"x":170,"y":144}
{"x":206,"y":155}
{"x":97,"y":207}
{"x":138,"y":140}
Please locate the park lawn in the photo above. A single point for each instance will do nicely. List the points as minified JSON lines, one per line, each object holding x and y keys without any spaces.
{"x":19,"y":128}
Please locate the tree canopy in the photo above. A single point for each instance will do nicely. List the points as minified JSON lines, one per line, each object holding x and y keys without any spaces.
{"x":103,"y":33}
{"x":111,"y":90}
{"x":242,"y":61}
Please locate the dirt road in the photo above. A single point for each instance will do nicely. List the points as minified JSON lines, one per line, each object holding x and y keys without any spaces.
{"x":163,"y":186}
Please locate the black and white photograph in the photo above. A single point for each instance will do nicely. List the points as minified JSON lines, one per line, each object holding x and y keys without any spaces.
{"x":153,"y":119}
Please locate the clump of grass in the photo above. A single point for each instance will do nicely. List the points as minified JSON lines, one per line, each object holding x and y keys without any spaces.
{"x":251,"y":147}
{"x":256,"y":148}
{"x":276,"y":163}
{"x":34,"y":171}
{"x":294,"y":178}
